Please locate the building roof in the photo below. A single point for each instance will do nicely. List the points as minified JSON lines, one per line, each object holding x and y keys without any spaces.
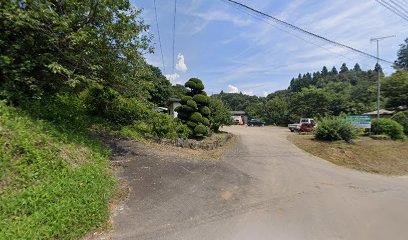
{"x":382,"y":112}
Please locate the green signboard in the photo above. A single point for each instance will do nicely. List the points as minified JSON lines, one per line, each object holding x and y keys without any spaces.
{"x":359,"y":121}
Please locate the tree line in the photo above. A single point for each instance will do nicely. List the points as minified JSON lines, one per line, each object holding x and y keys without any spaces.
{"x":327,"y":92}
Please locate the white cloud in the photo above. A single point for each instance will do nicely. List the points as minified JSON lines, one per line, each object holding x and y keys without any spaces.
{"x":181,"y":65}
{"x":173,"y":78}
{"x":249,"y":93}
{"x":232,"y":89}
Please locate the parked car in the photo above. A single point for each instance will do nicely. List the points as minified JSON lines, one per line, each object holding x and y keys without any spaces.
{"x":255,"y":122}
{"x":303,"y":121}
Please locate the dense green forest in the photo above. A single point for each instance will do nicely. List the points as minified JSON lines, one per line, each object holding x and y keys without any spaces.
{"x":328,"y":92}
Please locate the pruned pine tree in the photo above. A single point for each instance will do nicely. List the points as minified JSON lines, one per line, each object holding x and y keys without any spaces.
{"x":194,"y":110}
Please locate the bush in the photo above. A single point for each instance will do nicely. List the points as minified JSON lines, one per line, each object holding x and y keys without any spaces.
{"x":335,"y":128}
{"x":219,"y":114}
{"x":158,"y":125}
{"x":402,"y":118}
{"x":124,"y":111}
{"x":97,"y":99}
{"x":107,"y":103}
{"x":389,"y":127}
{"x":200,"y":130}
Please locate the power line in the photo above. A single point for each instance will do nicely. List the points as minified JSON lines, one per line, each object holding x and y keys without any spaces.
{"x":392,"y":10}
{"x":158,"y":33}
{"x":400,"y":7}
{"x":174,"y":29}
{"x":299,"y":37}
{"x":293,"y":27}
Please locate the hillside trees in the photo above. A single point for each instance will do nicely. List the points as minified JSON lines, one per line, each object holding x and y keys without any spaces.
{"x":194,"y":111}
{"x":402,"y":60}
{"x":53,"y":46}
{"x":395,"y":88}
{"x":238,"y":101}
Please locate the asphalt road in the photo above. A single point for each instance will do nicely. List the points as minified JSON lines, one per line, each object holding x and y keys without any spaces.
{"x":264,"y":188}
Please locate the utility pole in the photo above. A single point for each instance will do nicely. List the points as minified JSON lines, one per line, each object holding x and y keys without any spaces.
{"x":378,"y":73}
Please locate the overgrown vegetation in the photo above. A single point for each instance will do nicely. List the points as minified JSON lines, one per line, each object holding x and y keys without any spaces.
{"x":335,"y":128}
{"x":54,"y":181}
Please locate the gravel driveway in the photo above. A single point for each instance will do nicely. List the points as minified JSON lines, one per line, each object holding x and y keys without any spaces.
{"x":264,"y":188}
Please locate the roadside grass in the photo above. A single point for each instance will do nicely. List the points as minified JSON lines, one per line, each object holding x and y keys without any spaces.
{"x":55,"y":181}
{"x":385,"y":157}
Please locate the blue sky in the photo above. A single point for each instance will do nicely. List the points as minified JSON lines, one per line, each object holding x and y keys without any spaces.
{"x":232,"y":51}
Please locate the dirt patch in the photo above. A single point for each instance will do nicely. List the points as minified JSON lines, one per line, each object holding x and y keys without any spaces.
{"x":150,"y":162}
{"x":385,"y":157}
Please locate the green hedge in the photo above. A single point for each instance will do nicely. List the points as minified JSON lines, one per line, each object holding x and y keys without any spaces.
{"x":389,"y":127}
{"x":335,"y":128}
{"x":402,"y":118}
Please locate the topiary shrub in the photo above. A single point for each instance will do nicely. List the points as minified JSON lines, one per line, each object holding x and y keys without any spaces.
{"x":185,"y":99}
{"x":201,"y":99}
{"x":205,"y":111}
{"x":205,"y":121}
{"x":335,"y":128}
{"x":402,"y":118}
{"x":200,"y":130}
{"x":192,"y":124}
{"x":192,"y":104}
{"x":389,"y":127}
{"x":196,"y":117}
{"x":194,"y":107}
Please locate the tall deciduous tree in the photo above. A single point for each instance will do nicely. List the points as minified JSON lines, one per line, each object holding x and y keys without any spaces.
{"x":51,"y":45}
{"x":220,"y":114}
